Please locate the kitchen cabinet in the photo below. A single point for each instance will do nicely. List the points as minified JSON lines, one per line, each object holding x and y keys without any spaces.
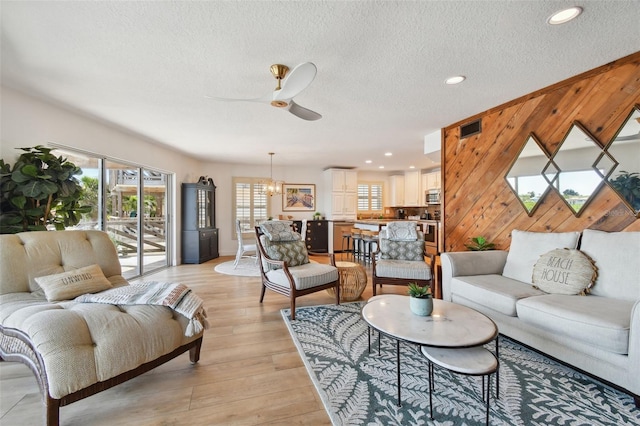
{"x":433,"y":180}
{"x":199,"y":232}
{"x":397,"y":190}
{"x":412,"y":192}
{"x":341,"y":196}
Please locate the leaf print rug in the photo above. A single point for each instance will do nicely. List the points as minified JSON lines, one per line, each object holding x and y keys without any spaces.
{"x":359,"y":388}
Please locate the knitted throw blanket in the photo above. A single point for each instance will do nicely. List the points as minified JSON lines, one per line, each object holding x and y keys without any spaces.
{"x":176,"y":296}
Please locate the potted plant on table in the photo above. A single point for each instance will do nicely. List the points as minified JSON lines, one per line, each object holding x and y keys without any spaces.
{"x":480,"y":244}
{"x":420,"y":300}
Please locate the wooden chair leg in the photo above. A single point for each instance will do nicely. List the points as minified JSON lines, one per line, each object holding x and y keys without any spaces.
{"x":293,"y":308}
{"x":194,"y":352}
{"x":52,"y":411}
{"x":262,"y":293}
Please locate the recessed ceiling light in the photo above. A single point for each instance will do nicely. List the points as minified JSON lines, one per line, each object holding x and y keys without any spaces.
{"x":381,"y":167}
{"x":412,"y":167}
{"x":565,"y":15}
{"x":388,"y":154}
{"x":455,"y":79}
{"x":368,"y":161}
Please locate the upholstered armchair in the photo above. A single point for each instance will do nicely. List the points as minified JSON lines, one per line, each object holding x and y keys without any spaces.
{"x":285,"y":267}
{"x":400,"y":257}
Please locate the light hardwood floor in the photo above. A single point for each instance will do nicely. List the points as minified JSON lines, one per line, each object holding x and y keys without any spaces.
{"x":250,"y":372}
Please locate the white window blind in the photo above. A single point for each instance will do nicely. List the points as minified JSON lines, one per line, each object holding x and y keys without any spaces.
{"x":250,"y":203}
{"x":370,"y":197}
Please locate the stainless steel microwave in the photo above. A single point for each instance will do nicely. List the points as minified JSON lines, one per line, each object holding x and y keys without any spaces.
{"x":432,"y":196}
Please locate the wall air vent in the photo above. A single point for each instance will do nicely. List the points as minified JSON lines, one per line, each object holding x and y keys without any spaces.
{"x":470,"y":129}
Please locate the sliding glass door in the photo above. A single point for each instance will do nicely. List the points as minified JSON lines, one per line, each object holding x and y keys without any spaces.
{"x":130,"y":203}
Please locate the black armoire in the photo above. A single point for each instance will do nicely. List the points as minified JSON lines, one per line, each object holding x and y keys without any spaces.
{"x":199,"y":232}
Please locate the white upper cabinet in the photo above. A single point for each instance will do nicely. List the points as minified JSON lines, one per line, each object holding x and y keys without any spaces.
{"x":341,"y":201}
{"x":397,"y":190}
{"x":432,"y":180}
{"x":344,"y":180}
{"x":412,"y":189}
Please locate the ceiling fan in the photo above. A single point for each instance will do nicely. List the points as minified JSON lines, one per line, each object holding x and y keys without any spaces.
{"x":282,"y":96}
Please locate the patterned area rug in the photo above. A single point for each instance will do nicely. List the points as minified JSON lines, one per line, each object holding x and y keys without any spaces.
{"x":358,"y":387}
{"x":246,"y":268}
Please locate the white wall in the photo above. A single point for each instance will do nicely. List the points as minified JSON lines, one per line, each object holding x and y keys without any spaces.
{"x":26,"y":121}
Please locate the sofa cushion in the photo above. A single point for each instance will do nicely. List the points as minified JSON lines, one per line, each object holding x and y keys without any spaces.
{"x":305,"y":276}
{"x":564,"y":271}
{"x":616,"y":256}
{"x":598,"y":321}
{"x":493,"y":291}
{"x":406,"y":269}
{"x":70,"y":284}
{"x":527,"y":247}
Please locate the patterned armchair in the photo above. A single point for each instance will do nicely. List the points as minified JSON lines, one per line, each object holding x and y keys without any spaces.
{"x":400,"y":257}
{"x":285,"y":267}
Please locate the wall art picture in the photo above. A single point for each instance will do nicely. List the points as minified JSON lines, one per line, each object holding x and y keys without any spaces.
{"x":298,"y":197}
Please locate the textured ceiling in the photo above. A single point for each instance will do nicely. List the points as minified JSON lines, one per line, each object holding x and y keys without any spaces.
{"x":147,"y":66}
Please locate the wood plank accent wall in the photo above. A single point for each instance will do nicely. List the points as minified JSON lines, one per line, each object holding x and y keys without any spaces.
{"x":477,"y":199}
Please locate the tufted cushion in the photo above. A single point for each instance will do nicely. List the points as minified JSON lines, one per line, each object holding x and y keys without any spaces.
{"x":564,"y":271}
{"x":70,"y":284}
{"x":527,"y":247}
{"x":305,"y":276}
{"x":402,"y":231}
{"x":409,"y":269}
{"x":294,"y":253}
{"x":404,"y":250}
{"x":279,"y":230}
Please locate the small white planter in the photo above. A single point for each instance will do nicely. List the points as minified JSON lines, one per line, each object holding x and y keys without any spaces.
{"x":421,"y":307}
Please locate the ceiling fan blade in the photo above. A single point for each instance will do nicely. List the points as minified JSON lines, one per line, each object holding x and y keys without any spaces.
{"x":266,"y":98}
{"x":298,"y":79}
{"x":302,"y":112}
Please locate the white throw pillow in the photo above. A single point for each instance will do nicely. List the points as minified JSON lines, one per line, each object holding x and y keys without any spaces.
{"x":527,"y":247}
{"x":70,"y":284}
{"x":279,"y":230}
{"x":402,"y":231}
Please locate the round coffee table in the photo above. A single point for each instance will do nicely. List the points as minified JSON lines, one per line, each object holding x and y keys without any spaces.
{"x":353,"y":281}
{"x":449,"y":325}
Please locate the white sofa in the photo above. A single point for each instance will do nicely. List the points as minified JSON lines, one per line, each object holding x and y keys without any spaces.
{"x":598,"y":333}
{"x":78,"y":349}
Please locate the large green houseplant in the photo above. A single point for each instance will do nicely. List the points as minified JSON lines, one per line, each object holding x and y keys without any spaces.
{"x":38,"y":191}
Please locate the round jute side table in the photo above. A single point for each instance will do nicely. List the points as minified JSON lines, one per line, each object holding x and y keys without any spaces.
{"x":353,"y":281}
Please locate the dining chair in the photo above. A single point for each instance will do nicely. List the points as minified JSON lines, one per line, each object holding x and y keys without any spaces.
{"x":243,"y":248}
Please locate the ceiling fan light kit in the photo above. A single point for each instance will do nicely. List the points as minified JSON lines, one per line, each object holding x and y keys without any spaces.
{"x":288,"y":87}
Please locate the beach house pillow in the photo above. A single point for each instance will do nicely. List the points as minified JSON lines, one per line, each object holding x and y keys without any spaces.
{"x":564,"y":271}
{"x":279,"y":230}
{"x":70,"y":284}
{"x":402,"y":231}
{"x":527,"y":247}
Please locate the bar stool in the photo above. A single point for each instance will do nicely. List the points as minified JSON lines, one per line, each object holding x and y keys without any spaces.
{"x":369,"y":239}
{"x":346,"y":237}
{"x":356,"y":235}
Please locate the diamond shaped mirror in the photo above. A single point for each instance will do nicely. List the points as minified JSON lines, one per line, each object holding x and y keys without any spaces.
{"x":624,"y":149}
{"x":580,"y":174}
{"x":525,"y":174}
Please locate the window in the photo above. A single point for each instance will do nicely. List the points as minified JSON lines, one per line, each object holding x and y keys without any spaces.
{"x":370,"y":197}
{"x":251,"y":203}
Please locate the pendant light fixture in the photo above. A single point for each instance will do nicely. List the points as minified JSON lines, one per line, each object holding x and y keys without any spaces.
{"x":272,"y":187}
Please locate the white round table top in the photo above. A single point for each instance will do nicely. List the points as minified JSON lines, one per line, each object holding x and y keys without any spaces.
{"x":474,"y":361}
{"x":449,"y":325}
